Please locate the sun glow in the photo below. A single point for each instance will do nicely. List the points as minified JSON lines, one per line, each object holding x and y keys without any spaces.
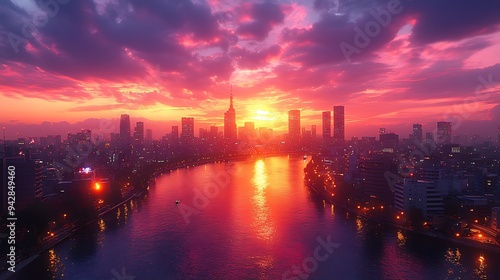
{"x":262,"y":115}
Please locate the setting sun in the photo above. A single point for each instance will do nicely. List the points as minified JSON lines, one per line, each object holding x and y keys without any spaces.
{"x":262,"y":115}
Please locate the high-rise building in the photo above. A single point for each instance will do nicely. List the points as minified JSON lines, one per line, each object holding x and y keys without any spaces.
{"x":203,"y":134}
{"x":417,"y":132}
{"x":139,"y":132}
{"x":28,"y":188}
{"x":389,"y":140}
{"x":125,"y":127}
{"x":294,"y":126}
{"x":419,"y":194}
{"x":187,"y":128}
{"x":175,"y":132}
{"x":230,"y":122}
{"x":313,"y":131}
{"x":338,"y":124}
{"x":327,"y":124}
{"x":444,"y":132}
{"x":214,"y":132}
{"x":381,"y":131}
{"x":247,"y":132}
{"x":375,"y":185}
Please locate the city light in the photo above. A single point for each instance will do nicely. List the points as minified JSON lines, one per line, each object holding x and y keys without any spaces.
{"x":97,"y":186}
{"x":85,"y":170}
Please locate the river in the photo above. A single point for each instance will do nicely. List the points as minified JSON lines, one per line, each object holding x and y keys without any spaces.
{"x":252,"y":219}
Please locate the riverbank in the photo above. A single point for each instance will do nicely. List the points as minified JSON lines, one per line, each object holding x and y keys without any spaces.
{"x":68,"y":233}
{"x":437,"y":235}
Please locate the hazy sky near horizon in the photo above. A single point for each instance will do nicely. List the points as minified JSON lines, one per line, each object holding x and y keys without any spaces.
{"x":390,"y":63}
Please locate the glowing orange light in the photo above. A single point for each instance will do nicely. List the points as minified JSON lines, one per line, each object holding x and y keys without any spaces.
{"x":359,"y":206}
{"x":97,"y":186}
{"x":480,"y":235}
{"x":397,"y":217}
{"x":457,"y":235}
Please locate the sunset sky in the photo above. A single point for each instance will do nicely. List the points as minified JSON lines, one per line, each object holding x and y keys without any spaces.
{"x":82,"y":61}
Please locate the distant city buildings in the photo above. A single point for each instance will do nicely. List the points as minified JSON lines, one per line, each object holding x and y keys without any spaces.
{"x":389,"y":140}
{"x":230,"y":133}
{"x":187,"y":133}
{"x":338,"y":124}
{"x":125,"y":127}
{"x":327,"y":125}
{"x":417,"y":132}
{"x":381,"y":131}
{"x":175,"y":132}
{"x":139,"y":132}
{"x":294,"y":126}
{"x":444,"y":132}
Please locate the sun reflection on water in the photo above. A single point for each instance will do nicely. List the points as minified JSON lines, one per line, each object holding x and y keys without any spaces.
{"x":262,"y":223}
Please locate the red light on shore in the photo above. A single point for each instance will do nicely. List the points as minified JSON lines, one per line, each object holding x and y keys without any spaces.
{"x":97,"y":186}
{"x":457,"y":235}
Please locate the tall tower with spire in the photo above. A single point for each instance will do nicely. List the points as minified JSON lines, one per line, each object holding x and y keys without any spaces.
{"x":230,"y":121}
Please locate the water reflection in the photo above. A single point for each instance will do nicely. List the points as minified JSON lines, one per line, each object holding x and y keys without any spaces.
{"x":56,"y":267}
{"x":359,"y":226}
{"x":401,"y":239}
{"x":101,"y":234}
{"x":263,"y":225}
{"x":481,"y":270}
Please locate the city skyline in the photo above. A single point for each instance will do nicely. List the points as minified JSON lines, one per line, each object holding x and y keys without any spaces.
{"x":277,"y":56}
{"x":261,"y":139}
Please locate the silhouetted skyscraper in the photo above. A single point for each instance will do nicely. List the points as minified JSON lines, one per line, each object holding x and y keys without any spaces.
{"x":125,"y":127}
{"x":294,"y":126}
{"x":139,"y":132}
{"x":417,"y":132}
{"x":338,"y":124}
{"x":327,"y":124}
{"x":187,"y":129}
{"x":313,"y":131}
{"x":230,"y":122}
{"x":444,"y":132}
